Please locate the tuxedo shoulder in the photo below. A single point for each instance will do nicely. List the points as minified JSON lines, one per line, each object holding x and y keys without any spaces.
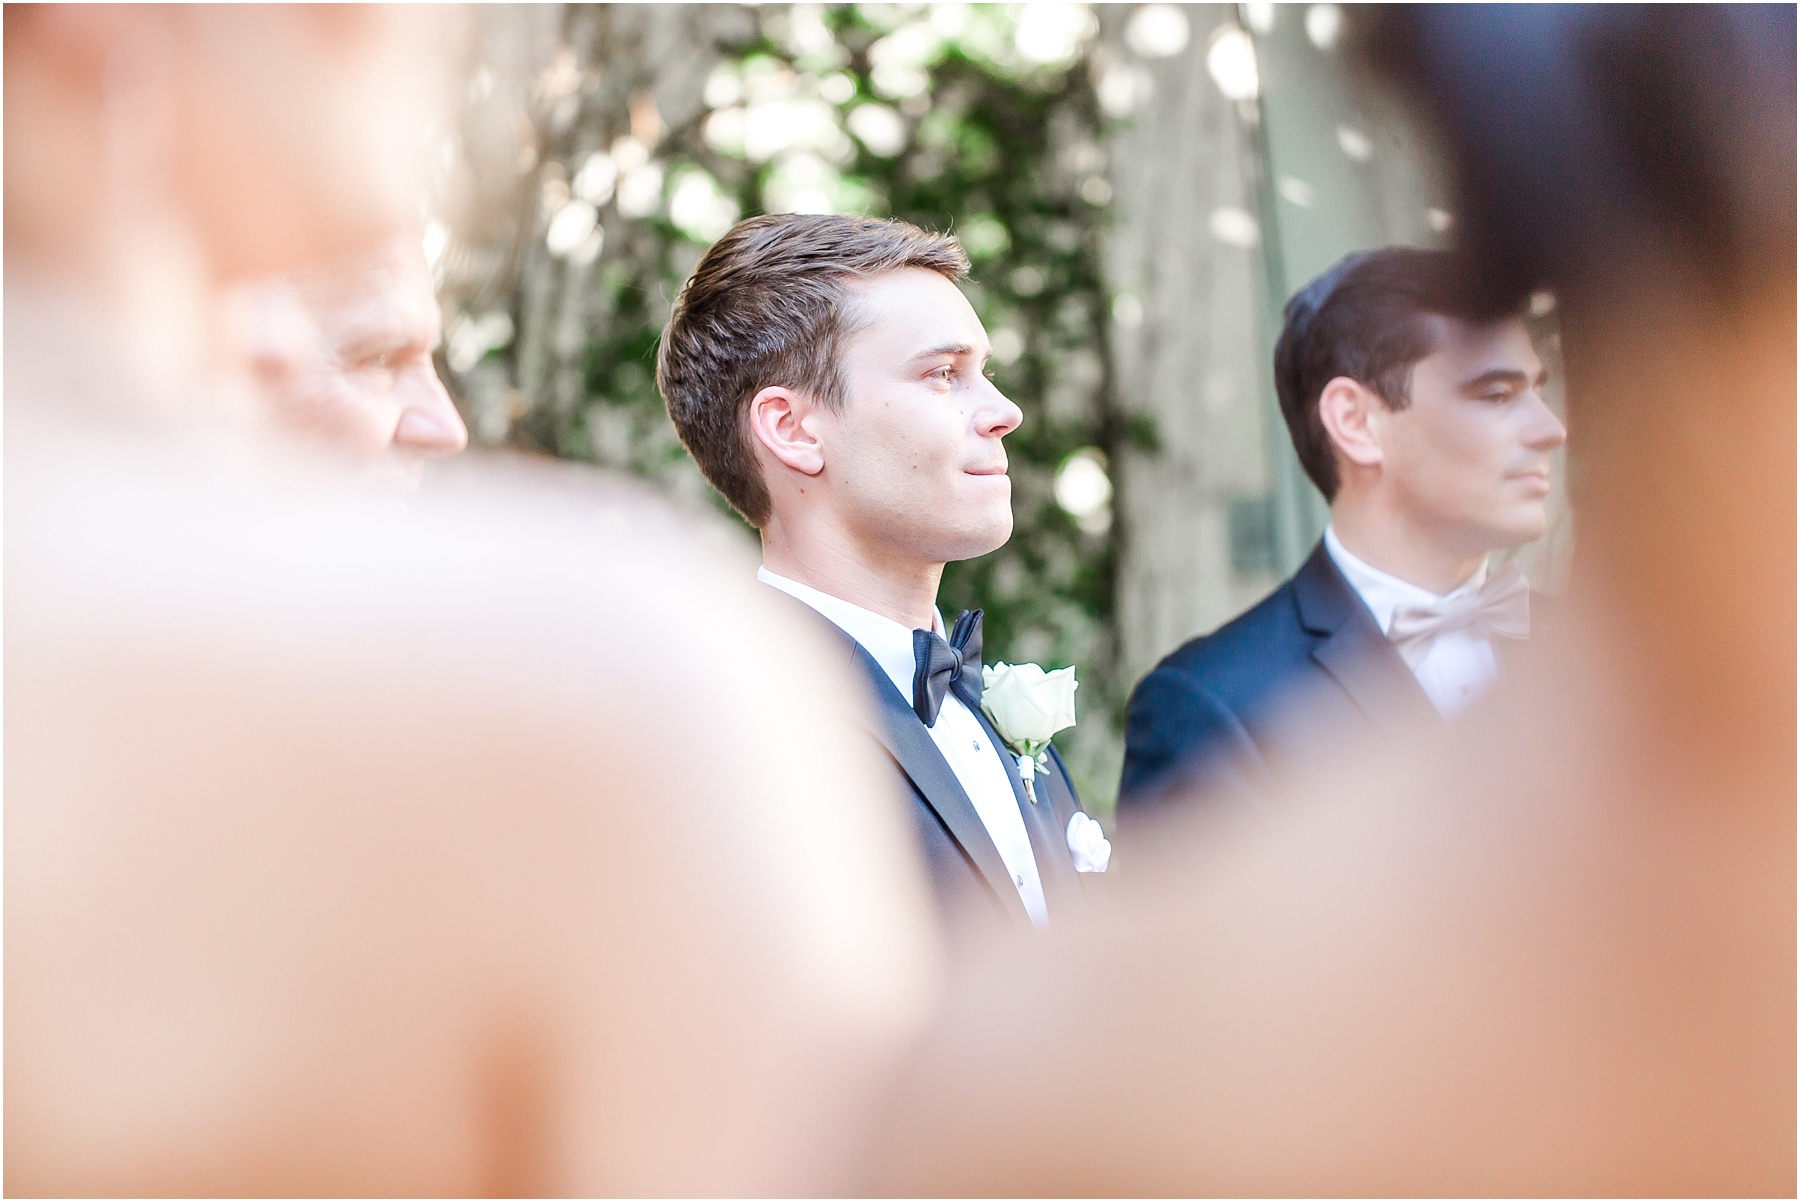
{"x":1241,"y":646}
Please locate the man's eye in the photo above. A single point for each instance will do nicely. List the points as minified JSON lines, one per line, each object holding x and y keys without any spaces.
{"x":394,"y":358}
{"x":943,"y":373}
{"x":988,"y":372}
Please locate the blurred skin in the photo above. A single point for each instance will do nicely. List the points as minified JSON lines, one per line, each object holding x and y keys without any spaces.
{"x":1426,"y":491}
{"x":302,"y":185}
{"x":868,"y":504}
{"x":357,"y":379}
{"x":132,"y":191}
{"x":326,"y":873}
{"x":418,"y":898}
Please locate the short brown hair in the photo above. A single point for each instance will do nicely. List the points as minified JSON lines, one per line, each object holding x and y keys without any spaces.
{"x":1366,"y":318}
{"x":766,"y":306}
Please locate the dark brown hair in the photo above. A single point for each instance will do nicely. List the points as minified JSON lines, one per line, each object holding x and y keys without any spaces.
{"x":766,"y":306}
{"x":1367,"y":318}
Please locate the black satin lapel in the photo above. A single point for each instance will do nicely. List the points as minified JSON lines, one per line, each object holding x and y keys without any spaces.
{"x":1049,"y":847}
{"x":907,"y":740}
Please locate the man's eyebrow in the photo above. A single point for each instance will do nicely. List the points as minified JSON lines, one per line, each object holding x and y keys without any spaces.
{"x":1504,"y":375}
{"x":949,"y":348}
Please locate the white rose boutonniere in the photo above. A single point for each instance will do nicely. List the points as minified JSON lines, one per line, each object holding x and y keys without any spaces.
{"x":1028,"y":705}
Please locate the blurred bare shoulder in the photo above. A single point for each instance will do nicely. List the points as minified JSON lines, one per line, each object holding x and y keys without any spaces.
{"x":364,"y":833}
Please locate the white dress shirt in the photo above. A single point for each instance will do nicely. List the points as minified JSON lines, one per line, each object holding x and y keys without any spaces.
{"x":979,"y":766}
{"x":1460,"y":665}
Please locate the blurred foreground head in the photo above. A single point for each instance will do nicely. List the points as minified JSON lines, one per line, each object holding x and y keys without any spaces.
{"x":1640,"y":161}
{"x":1595,"y":145}
{"x":1551,"y":950}
{"x":265,"y":136}
{"x":155,"y":153}
{"x":343,"y":353}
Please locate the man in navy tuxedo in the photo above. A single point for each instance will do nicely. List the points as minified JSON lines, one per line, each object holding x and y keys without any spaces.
{"x":829,"y":378}
{"x":1421,"y":419}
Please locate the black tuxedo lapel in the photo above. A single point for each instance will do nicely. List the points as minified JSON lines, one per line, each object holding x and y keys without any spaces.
{"x":1350,"y":647}
{"x":897,"y":728}
{"x":1049,"y":846}
{"x":907,"y":740}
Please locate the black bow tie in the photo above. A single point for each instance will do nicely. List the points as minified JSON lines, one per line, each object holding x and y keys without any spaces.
{"x":953,"y":665}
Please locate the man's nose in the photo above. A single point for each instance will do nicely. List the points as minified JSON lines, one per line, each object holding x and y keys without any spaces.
{"x":998,"y":416}
{"x":429,"y":423}
{"x":1546,"y":431}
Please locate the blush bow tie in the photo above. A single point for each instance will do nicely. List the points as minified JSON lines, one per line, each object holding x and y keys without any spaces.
{"x":942,"y":666}
{"x":1501,"y":606}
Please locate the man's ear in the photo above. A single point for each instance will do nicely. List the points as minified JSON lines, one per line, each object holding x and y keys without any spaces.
{"x":1347,"y":410}
{"x":778,"y":420}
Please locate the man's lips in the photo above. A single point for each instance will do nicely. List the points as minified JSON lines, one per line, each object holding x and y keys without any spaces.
{"x":991,"y":470}
{"x":1540,"y":479}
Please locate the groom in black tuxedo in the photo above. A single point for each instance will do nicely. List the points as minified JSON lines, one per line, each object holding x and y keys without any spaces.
{"x":1420,"y":418}
{"x":828,"y":376}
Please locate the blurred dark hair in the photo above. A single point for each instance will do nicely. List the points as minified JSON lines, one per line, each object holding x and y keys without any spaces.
{"x":1367,"y":318}
{"x":1589,"y":140}
{"x":766,"y":306}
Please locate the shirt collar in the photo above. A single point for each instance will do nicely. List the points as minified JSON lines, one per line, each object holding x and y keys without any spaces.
{"x":1385,"y":594}
{"x":883,"y":638}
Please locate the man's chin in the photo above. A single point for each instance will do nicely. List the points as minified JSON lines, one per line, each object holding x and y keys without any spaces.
{"x":1519,"y":529}
{"x":973,"y":544}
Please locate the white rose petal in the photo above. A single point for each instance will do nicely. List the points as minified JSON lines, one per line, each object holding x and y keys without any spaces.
{"x":1028,"y":705}
{"x":1088,"y":844}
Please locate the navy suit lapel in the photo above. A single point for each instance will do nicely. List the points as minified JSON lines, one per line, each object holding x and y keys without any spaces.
{"x":1350,"y":647}
{"x":1049,"y":847}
